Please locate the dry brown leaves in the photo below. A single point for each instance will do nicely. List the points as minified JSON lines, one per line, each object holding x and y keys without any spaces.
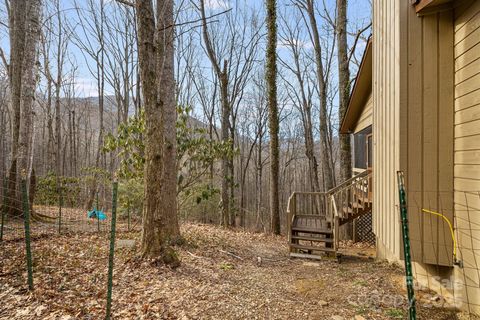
{"x":224,"y":274}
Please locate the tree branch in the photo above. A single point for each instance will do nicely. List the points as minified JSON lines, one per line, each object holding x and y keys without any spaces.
{"x":359,"y":33}
{"x":127,"y":3}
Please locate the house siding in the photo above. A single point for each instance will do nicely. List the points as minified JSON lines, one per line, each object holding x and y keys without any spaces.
{"x":467,"y":149}
{"x":386,"y":133}
{"x":426,"y":122}
{"x":413,"y":128}
{"x":365,"y":119}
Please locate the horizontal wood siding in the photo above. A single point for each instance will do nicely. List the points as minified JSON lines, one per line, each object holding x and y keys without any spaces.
{"x":467,"y":148}
{"x":365,"y":119}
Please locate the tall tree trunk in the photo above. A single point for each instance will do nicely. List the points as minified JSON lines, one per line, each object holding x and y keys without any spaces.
{"x":17,"y":53}
{"x":309,"y":151}
{"x":29,"y":82}
{"x":75,"y":144}
{"x":3,"y":128}
{"x":51,"y":139}
{"x":326,"y":157}
{"x":343,"y":87}
{"x":306,"y":112}
{"x":166,"y":87}
{"x":151,"y":240}
{"x":58,"y":129}
{"x":343,"y":97}
{"x":222,"y":75}
{"x":231,"y":175}
{"x":158,"y":223}
{"x":258,"y":185}
{"x":224,"y":136}
{"x":273,"y":121}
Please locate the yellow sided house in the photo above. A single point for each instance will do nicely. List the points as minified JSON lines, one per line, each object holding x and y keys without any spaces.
{"x":417,"y":101}
{"x":414,"y":107}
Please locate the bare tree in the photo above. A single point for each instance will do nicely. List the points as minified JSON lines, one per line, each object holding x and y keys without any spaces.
{"x":155,"y":51}
{"x":24,"y":22}
{"x":89,"y":35}
{"x":328,"y":171}
{"x":301,"y":94}
{"x":344,"y":87}
{"x":232,"y":51}
{"x":221,"y":72}
{"x":273,"y":121}
{"x":120,"y":42}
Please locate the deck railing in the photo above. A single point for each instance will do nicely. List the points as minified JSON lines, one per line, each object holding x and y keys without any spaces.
{"x":331,"y":204}
{"x":349,"y":194}
{"x":306,"y":203}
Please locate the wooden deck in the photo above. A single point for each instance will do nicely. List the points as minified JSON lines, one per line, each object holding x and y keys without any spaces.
{"x":315,"y":217}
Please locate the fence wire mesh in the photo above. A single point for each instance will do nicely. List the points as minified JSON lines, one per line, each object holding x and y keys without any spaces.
{"x":445,"y":244}
{"x":59,"y":210}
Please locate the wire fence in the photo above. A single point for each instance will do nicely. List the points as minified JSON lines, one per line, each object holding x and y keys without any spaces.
{"x":59,"y":210}
{"x":444,"y":228}
{"x":26,"y":220}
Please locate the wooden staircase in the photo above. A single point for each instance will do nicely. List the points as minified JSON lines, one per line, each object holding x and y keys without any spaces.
{"x":314,"y":218}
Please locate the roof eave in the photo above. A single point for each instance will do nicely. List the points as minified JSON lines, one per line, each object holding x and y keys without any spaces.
{"x":361,"y":90}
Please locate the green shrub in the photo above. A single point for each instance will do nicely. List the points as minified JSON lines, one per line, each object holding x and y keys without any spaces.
{"x":47,"y":193}
{"x":130,"y":196}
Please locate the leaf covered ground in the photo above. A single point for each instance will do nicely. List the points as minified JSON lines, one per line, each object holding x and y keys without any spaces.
{"x":224,"y":274}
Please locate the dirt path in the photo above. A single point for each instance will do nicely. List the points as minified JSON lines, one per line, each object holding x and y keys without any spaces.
{"x":224,"y":275}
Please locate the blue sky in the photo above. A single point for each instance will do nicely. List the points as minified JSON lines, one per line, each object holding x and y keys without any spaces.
{"x":358,"y":13}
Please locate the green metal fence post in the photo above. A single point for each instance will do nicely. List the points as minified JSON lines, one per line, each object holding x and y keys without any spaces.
{"x":98,"y":218}
{"x":112,"y":250}
{"x":128,"y":213}
{"x":412,"y":312}
{"x":60,"y":204}
{"x":26,"y":220}
{"x":4,"y":206}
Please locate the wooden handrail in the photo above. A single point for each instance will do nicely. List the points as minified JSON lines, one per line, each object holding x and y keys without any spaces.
{"x":349,"y":193}
{"x":331,"y":204}
{"x":348,"y":182}
{"x":291,"y":212}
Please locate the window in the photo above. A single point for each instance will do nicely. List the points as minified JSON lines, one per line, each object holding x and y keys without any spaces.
{"x":362,"y":146}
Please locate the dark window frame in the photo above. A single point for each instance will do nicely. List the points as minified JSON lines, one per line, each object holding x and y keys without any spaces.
{"x":360,"y":145}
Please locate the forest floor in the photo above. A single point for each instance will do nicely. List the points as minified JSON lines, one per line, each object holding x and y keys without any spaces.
{"x":224,"y":274}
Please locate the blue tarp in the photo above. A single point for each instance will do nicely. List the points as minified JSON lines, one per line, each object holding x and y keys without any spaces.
{"x":94,"y":214}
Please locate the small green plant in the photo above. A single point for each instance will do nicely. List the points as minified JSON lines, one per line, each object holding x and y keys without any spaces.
{"x":130,"y":197}
{"x":361,"y":310}
{"x":395,"y":313}
{"x":360,"y":283}
{"x":342,"y":271}
{"x":227,"y":266}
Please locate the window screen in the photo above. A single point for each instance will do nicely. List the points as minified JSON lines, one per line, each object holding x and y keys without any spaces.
{"x":360,"y":148}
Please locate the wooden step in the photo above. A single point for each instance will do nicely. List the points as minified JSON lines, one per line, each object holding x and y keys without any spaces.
{"x":348,"y":210}
{"x":356,"y":205}
{"x":310,"y":216}
{"x":316,"y":239}
{"x":365,"y":202}
{"x":355,"y":210}
{"x":305,"y":256}
{"x":312,"y":230}
{"x":312,"y":248}
{"x":352,"y":217}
